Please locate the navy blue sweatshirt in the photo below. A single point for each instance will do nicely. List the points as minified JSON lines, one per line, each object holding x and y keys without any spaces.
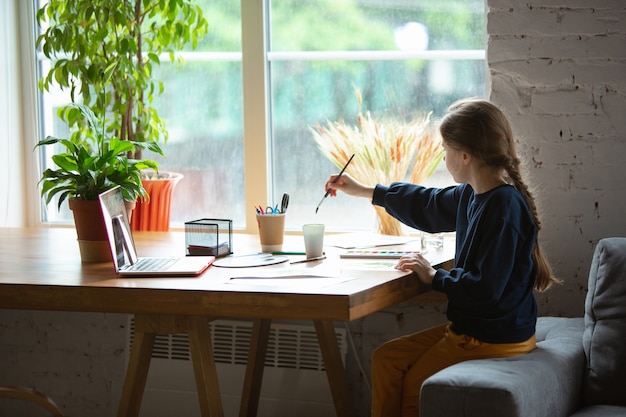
{"x":490,"y":289}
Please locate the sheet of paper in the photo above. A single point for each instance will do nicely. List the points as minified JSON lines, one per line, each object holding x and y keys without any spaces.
{"x":301,"y":276}
{"x":297,"y":271}
{"x":365,"y":240}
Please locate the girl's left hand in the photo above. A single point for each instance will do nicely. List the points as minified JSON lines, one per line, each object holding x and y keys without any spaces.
{"x":418,"y":264}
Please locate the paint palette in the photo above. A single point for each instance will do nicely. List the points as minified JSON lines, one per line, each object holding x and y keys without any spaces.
{"x":378,"y":253}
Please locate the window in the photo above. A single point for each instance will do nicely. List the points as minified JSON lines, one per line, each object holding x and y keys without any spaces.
{"x":405,"y":57}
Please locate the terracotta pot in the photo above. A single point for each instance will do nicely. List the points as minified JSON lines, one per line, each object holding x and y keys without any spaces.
{"x":91,"y":231}
{"x":92,"y":234}
{"x":154,"y":214}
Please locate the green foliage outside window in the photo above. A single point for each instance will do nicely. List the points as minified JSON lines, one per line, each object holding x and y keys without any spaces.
{"x":104,"y":51}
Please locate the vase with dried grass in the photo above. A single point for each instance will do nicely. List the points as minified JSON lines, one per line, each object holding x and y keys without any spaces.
{"x":385,"y":151}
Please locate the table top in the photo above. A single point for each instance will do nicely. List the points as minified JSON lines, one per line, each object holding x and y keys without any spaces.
{"x":40,"y":269}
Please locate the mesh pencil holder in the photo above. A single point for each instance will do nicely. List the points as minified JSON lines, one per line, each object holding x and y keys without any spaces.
{"x":209,"y":237}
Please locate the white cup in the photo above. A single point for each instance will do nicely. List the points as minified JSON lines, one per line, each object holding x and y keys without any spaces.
{"x":313,"y":240}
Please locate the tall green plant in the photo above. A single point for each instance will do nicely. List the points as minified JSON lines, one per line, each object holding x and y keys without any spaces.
{"x":93,"y":164}
{"x":123,"y":39}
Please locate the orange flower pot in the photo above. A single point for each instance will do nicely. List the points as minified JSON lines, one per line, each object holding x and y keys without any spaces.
{"x":154,"y":214}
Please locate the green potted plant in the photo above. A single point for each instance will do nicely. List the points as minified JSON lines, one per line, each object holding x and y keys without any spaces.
{"x":125,"y":38}
{"x":88,"y":163}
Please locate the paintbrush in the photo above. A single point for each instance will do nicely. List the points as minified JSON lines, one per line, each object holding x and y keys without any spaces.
{"x":334,"y":181}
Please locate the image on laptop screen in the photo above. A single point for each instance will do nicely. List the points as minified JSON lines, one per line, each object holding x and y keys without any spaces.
{"x":118,"y":228}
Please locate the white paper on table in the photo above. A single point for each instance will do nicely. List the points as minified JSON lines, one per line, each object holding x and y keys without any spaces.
{"x":292,"y":277}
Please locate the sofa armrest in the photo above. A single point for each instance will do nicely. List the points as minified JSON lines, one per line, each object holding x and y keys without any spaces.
{"x":545,"y":382}
{"x":605,"y":321}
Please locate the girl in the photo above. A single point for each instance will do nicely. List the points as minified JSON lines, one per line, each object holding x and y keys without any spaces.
{"x":491,"y":305}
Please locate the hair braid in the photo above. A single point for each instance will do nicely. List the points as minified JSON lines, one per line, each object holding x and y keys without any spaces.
{"x":543,"y":272}
{"x":513,"y":172}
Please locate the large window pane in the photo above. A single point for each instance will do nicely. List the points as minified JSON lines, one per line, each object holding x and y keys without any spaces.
{"x":202,"y":107}
{"x":309,"y":88}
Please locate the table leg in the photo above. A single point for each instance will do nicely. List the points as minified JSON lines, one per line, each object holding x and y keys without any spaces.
{"x":254,"y":370}
{"x":136,"y":374}
{"x":335,"y":371}
{"x":146,"y":328}
{"x":204,"y":368}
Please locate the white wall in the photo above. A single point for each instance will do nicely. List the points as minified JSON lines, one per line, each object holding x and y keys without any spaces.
{"x":77,"y":359}
{"x":558,"y":68}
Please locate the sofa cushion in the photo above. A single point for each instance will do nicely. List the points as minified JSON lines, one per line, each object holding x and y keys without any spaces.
{"x":543,"y":383}
{"x":604,"y":339}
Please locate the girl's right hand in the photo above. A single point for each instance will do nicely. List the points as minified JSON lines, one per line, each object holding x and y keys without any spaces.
{"x":348,"y":185}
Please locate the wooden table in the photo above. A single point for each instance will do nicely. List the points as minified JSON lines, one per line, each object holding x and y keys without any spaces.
{"x":40,"y":269}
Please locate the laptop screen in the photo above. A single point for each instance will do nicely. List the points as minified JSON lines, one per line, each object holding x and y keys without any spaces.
{"x":118,"y":227}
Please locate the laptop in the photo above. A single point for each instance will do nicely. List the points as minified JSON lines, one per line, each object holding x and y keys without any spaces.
{"x":124,"y":253}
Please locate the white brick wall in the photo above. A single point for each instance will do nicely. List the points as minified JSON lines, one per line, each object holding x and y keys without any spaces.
{"x":78,"y":359}
{"x":558,"y":69}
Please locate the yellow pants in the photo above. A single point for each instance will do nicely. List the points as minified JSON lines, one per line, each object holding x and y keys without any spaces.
{"x":400,"y":366}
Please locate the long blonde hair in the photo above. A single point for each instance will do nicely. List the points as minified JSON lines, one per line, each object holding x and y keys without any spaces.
{"x":482,"y":130}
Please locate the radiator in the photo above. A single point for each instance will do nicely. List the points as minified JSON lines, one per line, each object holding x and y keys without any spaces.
{"x":294,"y":379}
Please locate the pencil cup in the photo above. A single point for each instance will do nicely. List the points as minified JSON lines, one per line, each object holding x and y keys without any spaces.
{"x":271,"y":230}
{"x":313,"y":240}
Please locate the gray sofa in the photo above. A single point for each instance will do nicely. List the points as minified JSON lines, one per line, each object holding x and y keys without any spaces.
{"x":577,"y":370}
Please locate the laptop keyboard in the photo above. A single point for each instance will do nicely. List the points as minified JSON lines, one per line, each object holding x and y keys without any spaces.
{"x":152,"y":264}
